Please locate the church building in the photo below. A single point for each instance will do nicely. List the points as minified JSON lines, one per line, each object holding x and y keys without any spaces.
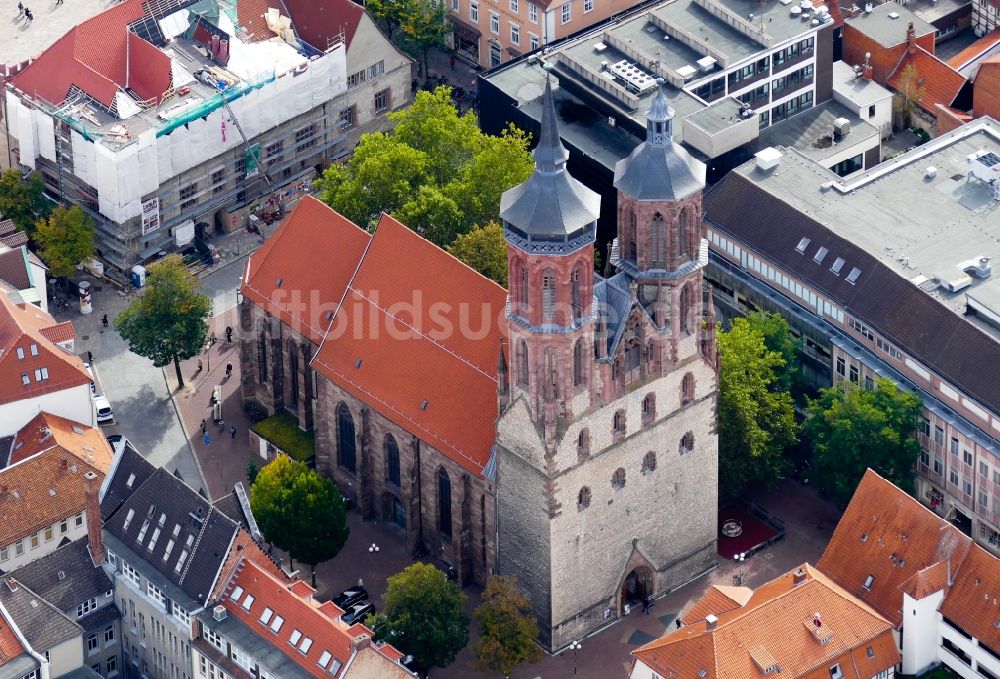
{"x":562,"y":431}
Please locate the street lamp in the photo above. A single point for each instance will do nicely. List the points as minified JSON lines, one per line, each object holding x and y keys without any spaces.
{"x":741,"y":574}
{"x":575,"y":646}
{"x":374,"y":548}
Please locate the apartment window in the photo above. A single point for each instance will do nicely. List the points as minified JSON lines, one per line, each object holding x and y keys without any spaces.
{"x":34,"y":541}
{"x":19,"y":548}
{"x":953,"y":477}
{"x":983,"y":498}
{"x":871,"y":111}
{"x":532,"y":40}
{"x":155,"y":594}
{"x":48,"y":533}
{"x":92,"y":644}
{"x":4,"y":553}
{"x":925,"y":426}
{"x":109,"y":635}
{"x":375,"y":70}
{"x":20,"y":353}
{"x":274,"y":151}
{"x":112,"y":665}
{"x":967,"y":487}
{"x":854,"y":373}
{"x":382,"y":101}
{"x":346,"y":119}
{"x":474,"y":12}
{"x":514,"y":6}
{"x":495,"y":23}
{"x":567,"y":12}
{"x":41,"y":374}
{"x":588,"y":6}
{"x":532,"y":13}
{"x":515,"y":34}
{"x":34,"y":349}
{"x":841,"y":367}
{"x":25,"y":379}
{"x":456,"y":6}
{"x":218,"y":178}
{"x":938,"y":435}
{"x":984,"y":469}
{"x":836,"y":673}
{"x":954,"y":445}
{"x":305,"y":137}
{"x":869,"y":383}
{"x":967,"y":457}
{"x":187,"y":195}
{"x":86,"y":607}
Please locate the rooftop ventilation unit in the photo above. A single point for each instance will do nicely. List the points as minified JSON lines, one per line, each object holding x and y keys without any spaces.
{"x":795,"y":10}
{"x":706,"y":64}
{"x":985,"y":166}
{"x":979,"y":267}
{"x":930,"y":172}
{"x":768,"y":159}
{"x":841,"y":127}
{"x":219,"y":613}
{"x":893,"y":15}
{"x":600,"y":47}
{"x":687,"y":71}
{"x":633,"y":76}
{"x":869,"y":7}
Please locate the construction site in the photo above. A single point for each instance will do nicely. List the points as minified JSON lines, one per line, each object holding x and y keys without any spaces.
{"x":170,"y":120}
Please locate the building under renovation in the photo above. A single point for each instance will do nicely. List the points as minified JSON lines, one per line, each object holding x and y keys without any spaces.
{"x":169,"y":119}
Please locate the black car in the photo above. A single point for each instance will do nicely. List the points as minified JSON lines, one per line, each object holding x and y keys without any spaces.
{"x":349,"y":597}
{"x":358,"y":612}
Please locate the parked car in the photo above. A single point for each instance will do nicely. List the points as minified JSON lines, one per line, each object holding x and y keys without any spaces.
{"x":104,"y":413}
{"x":349,"y":597}
{"x":114,"y":438}
{"x":358,"y":612}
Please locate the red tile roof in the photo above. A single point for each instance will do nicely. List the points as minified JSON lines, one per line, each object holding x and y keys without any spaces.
{"x":10,"y":645}
{"x":778,"y":627}
{"x":99,"y":56}
{"x":717,"y":600}
{"x":319,"y":22}
{"x":973,"y":602}
{"x":45,"y":431}
{"x":21,"y":328}
{"x":927,"y":581}
{"x":313,"y":253}
{"x":60,"y":332}
{"x":975,"y":50}
{"x":250,"y":14}
{"x":301,"y":613}
{"x":941,"y":82}
{"x":417,"y":338}
{"x":14,"y":268}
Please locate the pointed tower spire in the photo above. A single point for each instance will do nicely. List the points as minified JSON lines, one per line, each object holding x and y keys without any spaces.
{"x":660,"y":119}
{"x":550,"y":154}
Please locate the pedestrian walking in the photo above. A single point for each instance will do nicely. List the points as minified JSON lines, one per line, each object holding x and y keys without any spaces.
{"x":232,"y":433}
{"x":27,"y":13}
{"x":211,"y":339}
{"x":90,"y":358}
{"x":229,"y":335}
{"x":204,"y":426}
{"x":207,"y":439}
{"x":59,"y":2}
{"x":229,"y":370}
{"x":452,"y":62}
{"x":20,"y":9}
{"x":646,"y":605}
{"x":104,"y":318}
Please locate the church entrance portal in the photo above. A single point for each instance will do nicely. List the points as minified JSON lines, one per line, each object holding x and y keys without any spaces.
{"x":636,"y":587}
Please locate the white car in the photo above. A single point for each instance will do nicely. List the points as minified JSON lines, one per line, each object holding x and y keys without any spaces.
{"x":103,"y":407}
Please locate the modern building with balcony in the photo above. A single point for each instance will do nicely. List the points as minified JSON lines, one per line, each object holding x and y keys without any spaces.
{"x":885,"y":274}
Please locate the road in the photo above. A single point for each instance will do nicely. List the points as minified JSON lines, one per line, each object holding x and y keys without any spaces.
{"x":136,"y":388}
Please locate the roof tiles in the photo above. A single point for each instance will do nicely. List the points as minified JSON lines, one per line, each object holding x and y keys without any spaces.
{"x":45,"y":431}
{"x":973,"y":602}
{"x":940,"y":82}
{"x":319,"y":22}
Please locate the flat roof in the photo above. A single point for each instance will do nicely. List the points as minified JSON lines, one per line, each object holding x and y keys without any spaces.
{"x":718,"y":115}
{"x":266,"y":654}
{"x":811,"y":132}
{"x":887,"y":24}
{"x":22,"y":41}
{"x":859,"y":90}
{"x":922,"y":227}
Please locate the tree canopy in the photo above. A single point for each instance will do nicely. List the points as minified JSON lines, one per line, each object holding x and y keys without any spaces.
{"x":756,"y":420}
{"x":424,"y":616}
{"x":167,"y":323}
{"x":485,"y":250}
{"x":23,"y":200}
{"x":778,"y":337}
{"x":66,"y":238}
{"x":508,"y":628}
{"x":300,"y":511}
{"x":436,"y":171}
{"x":418,"y":25}
{"x":852,"y":429}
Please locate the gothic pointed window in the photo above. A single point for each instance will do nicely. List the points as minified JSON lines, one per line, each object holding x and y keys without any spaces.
{"x":346,"y":440}
{"x":262,"y":358}
{"x":523,"y":290}
{"x":657,"y":238}
{"x":293,"y":376}
{"x":583,"y":443}
{"x":579,"y":356}
{"x":444,"y":502}
{"x":551,"y":374}
{"x":577,"y":292}
{"x":685,"y":309}
{"x":549,"y":297}
{"x":618,"y":479}
{"x":522,"y":363}
{"x":583,"y":499}
{"x":687,"y":389}
{"x":392,"y":459}
{"x":685,"y":228}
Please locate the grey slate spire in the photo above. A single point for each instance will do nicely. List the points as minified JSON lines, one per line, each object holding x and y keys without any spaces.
{"x":550,"y":206}
{"x":659,"y":168}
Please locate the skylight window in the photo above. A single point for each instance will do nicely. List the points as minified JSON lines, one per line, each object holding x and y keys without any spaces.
{"x":265,"y":617}
{"x":277,"y":623}
{"x":294,"y":639}
{"x":820,"y":255}
{"x":335,"y":667}
{"x":128,"y":519}
{"x":305,"y":645}
{"x":869,"y":581}
{"x":131,"y":480}
{"x":324,"y":659}
{"x":803,"y":244}
{"x":853,"y":276}
{"x":237,"y":593}
{"x":838,"y":264}
{"x":247,"y":602}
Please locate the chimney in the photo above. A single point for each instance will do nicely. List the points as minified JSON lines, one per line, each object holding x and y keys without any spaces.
{"x":361,"y":641}
{"x":710,"y":622}
{"x":798,"y":577}
{"x":911,"y":38}
{"x":867,"y":68}
{"x":223,"y":56}
{"x":63,"y":462}
{"x":92,"y":505}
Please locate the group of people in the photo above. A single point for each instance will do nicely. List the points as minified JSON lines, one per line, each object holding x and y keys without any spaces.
{"x":23,"y":11}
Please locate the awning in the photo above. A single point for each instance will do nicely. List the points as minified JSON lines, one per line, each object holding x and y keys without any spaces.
{"x":184,"y":233}
{"x":513,"y":52}
{"x":464,"y":30}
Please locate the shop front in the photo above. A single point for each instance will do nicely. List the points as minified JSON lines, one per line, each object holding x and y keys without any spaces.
{"x":466,"y":40}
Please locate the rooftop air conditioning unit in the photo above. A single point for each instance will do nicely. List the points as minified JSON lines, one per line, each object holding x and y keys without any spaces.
{"x":706,"y":64}
{"x":841,"y":127}
{"x":768,"y":159}
{"x":219,"y":613}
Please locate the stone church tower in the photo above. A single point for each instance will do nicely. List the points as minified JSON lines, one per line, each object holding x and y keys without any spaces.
{"x":607,"y":456}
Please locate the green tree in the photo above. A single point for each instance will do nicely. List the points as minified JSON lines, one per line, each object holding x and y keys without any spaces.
{"x":66,"y":238}
{"x":756,"y":421}
{"x":852,"y":429}
{"x":253,"y":471}
{"x":485,"y":250}
{"x":168,"y":322}
{"x":508,"y":628}
{"x":435,"y":172}
{"x":424,"y":616}
{"x":23,"y":200}
{"x":778,"y":337}
{"x":911,"y":90}
{"x":423,"y":26}
{"x":388,"y":13}
{"x":300,"y":511}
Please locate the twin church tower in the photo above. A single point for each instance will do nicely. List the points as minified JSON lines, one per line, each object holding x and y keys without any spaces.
{"x":607,"y":454}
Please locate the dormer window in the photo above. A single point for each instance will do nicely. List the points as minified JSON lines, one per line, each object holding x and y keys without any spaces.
{"x":869,"y":581}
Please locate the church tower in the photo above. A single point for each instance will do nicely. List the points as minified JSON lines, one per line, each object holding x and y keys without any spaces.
{"x":606,"y":446}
